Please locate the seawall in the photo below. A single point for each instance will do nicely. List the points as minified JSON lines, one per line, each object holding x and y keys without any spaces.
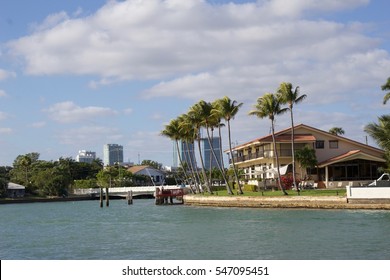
{"x":326,"y":202}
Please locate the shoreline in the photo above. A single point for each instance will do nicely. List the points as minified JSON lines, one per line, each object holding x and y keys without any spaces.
{"x":298,"y":202}
{"x":303,"y":202}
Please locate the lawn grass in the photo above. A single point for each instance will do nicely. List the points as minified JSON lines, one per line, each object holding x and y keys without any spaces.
{"x":319,"y":192}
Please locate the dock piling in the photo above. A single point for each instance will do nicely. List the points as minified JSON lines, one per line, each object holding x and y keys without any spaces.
{"x":107,"y":198}
{"x":101,"y":197}
{"x":129,"y":197}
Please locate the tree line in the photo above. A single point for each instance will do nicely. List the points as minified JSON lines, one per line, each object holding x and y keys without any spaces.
{"x":57,"y":178}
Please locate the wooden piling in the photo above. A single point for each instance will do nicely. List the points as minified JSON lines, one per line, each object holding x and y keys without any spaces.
{"x":101,"y":197}
{"x":107,"y":198}
{"x":129,"y":197}
{"x":156,"y":196}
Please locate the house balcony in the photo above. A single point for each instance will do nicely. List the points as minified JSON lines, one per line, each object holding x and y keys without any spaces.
{"x":261,"y":155}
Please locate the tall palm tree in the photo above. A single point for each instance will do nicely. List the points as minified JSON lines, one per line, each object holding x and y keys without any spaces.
{"x":227,"y":109}
{"x":269,"y":105}
{"x":337,"y":131}
{"x":25,"y":162}
{"x":172,"y":131}
{"x":386,"y":86}
{"x":196,"y":118}
{"x":291,"y":97}
{"x":189,"y":135}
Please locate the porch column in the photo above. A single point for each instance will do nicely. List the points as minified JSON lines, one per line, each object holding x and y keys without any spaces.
{"x":326,"y":176}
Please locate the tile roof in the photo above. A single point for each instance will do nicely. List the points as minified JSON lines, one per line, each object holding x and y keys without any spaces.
{"x":354,"y":154}
{"x":136,"y":168}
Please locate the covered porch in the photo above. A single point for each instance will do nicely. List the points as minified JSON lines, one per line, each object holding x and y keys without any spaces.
{"x":354,"y":168}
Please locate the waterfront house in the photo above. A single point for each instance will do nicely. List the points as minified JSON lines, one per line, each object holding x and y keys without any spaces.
{"x":157,"y":176}
{"x":15,"y":190}
{"x":341,"y":161}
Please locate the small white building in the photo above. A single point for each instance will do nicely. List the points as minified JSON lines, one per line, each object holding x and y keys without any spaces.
{"x":15,"y":190}
{"x":157,"y":176}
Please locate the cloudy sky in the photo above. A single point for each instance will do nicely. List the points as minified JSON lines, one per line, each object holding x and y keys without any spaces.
{"x":78,"y":74}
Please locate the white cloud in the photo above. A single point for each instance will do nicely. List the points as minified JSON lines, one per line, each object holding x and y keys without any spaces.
{"x":295,"y":8}
{"x":50,"y":21}
{"x":128,"y":111}
{"x":68,"y":112}
{"x":5,"y":130}
{"x":3,"y":116}
{"x":4,"y":74}
{"x":197,"y":50}
{"x":91,"y":135}
{"x":38,"y":124}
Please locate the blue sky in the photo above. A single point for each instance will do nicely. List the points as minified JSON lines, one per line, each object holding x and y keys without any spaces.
{"x":79,"y":74}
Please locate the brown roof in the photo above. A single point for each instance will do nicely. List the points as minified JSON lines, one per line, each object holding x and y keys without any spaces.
{"x":354,"y":154}
{"x":285,"y":136}
{"x":136,"y":168}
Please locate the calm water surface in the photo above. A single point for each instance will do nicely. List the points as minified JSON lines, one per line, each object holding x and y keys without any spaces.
{"x":83,"y":230}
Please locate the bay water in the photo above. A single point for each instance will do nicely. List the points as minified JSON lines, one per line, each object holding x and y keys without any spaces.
{"x":143,"y":231}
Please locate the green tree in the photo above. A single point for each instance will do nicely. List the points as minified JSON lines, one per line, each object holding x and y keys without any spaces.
{"x":172,"y":131}
{"x":106,"y":177}
{"x":227,"y":109}
{"x":196,"y":115}
{"x":384,"y":87}
{"x":209,"y":121}
{"x":4,"y":179}
{"x":306,"y":158}
{"x":337,"y":131}
{"x":269,"y":105}
{"x":152,"y":163}
{"x":291,"y":97}
{"x":189,"y":134}
{"x":380,"y":132}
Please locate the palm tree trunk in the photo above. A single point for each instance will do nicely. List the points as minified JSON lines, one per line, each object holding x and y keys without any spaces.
{"x":203,"y":167}
{"x":228,"y":188}
{"x":233,"y":162}
{"x":277,"y":159}
{"x":190,"y":163}
{"x":182,"y":165}
{"x":293,"y":149}
{"x":220,"y":149}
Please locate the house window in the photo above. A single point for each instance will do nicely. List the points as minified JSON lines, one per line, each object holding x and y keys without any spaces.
{"x":320,"y":144}
{"x":333,"y":144}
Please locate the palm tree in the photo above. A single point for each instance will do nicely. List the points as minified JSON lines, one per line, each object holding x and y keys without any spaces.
{"x":189,"y":135}
{"x":172,"y":130}
{"x":227,"y":109}
{"x":291,"y":97}
{"x":25,"y":162}
{"x":306,"y":157}
{"x":195,"y":116}
{"x":336,"y":131}
{"x":380,"y":132}
{"x":269,"y":106}
{"x":386,"y":86}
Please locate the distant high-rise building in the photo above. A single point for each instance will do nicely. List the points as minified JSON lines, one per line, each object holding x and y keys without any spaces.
{"x":209,"y":159}
{"x":186,"y":152}
{"x":112,"y":154}
{"x":86,"y":156}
